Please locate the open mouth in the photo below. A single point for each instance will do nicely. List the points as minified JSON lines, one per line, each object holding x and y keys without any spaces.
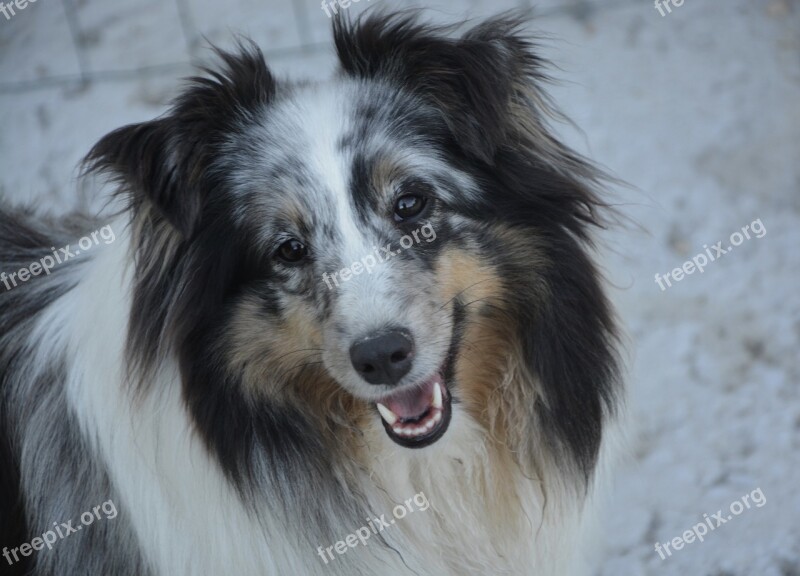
{"x":419,"y":416}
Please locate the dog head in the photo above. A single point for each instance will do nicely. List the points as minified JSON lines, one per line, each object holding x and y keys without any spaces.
{"x":402,"y":243}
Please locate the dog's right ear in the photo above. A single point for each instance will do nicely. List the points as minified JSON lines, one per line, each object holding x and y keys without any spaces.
{"x":169,"y":163}
{"x":142,"y":158}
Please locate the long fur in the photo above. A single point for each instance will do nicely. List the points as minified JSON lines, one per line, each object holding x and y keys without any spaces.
{"x":205,"y":387}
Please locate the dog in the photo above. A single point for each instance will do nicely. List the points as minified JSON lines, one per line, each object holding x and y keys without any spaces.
{"x":449,"y":411}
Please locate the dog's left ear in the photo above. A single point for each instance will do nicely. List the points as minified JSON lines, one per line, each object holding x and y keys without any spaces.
{"x":484,"y":82}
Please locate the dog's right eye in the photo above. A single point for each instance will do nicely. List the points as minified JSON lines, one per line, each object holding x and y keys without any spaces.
{"x":292,"y":251}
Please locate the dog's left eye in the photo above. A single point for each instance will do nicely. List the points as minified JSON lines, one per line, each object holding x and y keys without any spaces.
{"x":292,"y":251}
{"x":411,"y":204}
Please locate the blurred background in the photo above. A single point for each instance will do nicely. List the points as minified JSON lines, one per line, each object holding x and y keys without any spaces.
{"x":698,"y":109}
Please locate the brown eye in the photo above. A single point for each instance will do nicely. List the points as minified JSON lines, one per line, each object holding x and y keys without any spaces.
{"x":409,"y":206}
{"x":292,"y":251}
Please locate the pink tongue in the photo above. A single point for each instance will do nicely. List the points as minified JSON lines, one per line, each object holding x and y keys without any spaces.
{"x":412,"y":403}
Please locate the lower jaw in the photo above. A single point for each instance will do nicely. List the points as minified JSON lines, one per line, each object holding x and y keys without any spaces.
{"x":431,"y":437}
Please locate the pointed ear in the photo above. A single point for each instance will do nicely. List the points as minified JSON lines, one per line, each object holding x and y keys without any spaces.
{"x":168,"y":163}
{"x":479,"y":81}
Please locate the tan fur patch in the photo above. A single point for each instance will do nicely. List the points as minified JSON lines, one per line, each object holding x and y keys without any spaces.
{"x":475,"y":281}
{"x":492,"y":382}
{"x":284,"y":362}
{"x":384,"y":173}
{"x":496,"y":390}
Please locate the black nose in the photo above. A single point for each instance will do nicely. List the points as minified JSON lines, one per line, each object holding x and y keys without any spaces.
{"x":383,"y":358}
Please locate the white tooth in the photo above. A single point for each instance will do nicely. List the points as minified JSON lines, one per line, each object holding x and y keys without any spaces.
{"x":437,"y":417}
{"x":390,"y":417}
{"x":437,"y":396}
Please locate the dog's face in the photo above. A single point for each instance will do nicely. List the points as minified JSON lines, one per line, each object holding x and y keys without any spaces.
{"x":363,"y":221}
{"x":399,"y":243}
